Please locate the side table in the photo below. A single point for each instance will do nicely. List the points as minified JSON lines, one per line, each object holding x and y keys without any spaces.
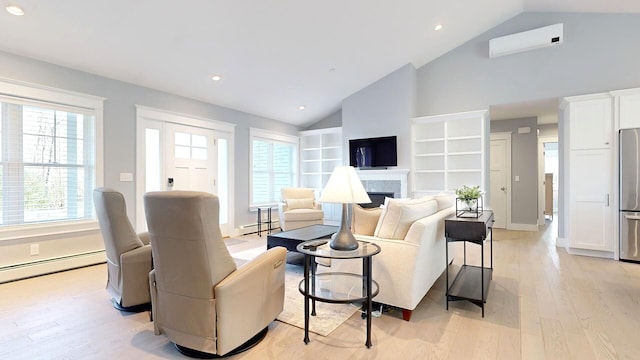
{"x":471,"y":283}
{"x":260,"y":221}
{"x":321,"y":287}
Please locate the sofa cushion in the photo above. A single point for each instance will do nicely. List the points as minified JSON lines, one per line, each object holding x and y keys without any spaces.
{"x":384,"y":207}
{"x":445,"y":200}
{"x":400,"y":216}
{"x":303,"y":215}
{"x":306,"y":203}
{"x":364,"y":220}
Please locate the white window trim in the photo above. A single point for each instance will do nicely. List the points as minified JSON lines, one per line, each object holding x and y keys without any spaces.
{"x":55,"y":96}
{"x":147,"y":115}
{"x":275,"y":136}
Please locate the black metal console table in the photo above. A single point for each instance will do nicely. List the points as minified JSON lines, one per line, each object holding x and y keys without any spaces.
{"x":471,"y":283}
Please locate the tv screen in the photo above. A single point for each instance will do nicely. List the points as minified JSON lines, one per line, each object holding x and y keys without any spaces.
{"x":373,"y":152}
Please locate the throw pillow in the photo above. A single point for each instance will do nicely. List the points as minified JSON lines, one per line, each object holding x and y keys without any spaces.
{"x":364,"y":220}
{"x":445,"y":200}
{"x":385,"y":207}
{"x":400,"y":217}
{"x":293,"y":204}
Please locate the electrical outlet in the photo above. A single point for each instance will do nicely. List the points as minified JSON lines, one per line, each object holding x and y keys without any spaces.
{"x":35,"y":249}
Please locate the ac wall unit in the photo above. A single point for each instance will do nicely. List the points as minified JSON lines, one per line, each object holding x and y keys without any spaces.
{"x":526,"y":40}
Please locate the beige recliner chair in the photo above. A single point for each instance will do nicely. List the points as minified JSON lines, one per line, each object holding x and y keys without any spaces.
{"x":201,"y":301}
{"x":299,"y":208}
{"x":128,"y":254}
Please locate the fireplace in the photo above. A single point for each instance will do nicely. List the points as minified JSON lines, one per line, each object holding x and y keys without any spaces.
{"x":377,"y":199}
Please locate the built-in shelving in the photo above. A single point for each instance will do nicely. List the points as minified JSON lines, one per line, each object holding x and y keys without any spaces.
{"x":320,"y":153}
{"x":448,"y":151}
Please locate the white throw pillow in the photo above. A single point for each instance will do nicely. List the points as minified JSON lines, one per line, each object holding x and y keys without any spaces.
{"x":385,"y":207}
{"x":401,"y":214}
{"x":293,"y":204}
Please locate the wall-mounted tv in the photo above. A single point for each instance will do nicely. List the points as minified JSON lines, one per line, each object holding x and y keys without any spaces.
{"x":379,"y":152}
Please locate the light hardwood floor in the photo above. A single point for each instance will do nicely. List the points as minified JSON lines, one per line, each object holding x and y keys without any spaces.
{"x":543,"y":304}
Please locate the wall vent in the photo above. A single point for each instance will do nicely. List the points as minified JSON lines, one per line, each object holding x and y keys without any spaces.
{"x":528,"y":40}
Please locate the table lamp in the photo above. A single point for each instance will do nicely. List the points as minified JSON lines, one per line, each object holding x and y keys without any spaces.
{"x":344,"y":187}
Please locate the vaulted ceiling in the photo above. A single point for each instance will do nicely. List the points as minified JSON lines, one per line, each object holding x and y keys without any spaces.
{"x":273,"y":56}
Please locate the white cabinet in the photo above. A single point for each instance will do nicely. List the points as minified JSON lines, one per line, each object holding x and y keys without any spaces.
{"x":320,"y":153}
{"x":590,"y":193}
{"x":628,"y":108}
{"x":448,"y":151}
{"x":591,"y":123}
{"x":589,"y":170}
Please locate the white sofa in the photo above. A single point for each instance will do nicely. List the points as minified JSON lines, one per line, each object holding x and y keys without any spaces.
{"x":406,"y":269}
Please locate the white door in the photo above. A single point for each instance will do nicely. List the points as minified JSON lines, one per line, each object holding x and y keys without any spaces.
{"x":193,"y":157}
{"x":499,"y":180}
{"x":590,"y":200}
{"x":191,"y":161}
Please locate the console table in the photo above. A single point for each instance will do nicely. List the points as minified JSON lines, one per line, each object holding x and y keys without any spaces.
{"x":471,"y":283}
{"x":322,"y":287}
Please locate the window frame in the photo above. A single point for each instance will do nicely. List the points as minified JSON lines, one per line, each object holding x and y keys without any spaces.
{"x":55,"y":98}
{"x":272,"y":137}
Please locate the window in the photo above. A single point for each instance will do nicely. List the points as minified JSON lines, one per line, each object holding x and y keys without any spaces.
{"x":274,"y":165}
{"x":47,"y":159}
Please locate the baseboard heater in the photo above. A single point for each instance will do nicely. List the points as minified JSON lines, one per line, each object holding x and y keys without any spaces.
{"x":51,"y":265}
{"x":253,"y":228}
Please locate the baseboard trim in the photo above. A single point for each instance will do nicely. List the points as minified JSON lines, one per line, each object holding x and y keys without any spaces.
{"x":27,"y":270}
{"x":592,"y":253}
{"x":523,"y":227}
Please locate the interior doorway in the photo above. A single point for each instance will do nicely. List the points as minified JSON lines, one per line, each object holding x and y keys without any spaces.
{"x":500,"y":173}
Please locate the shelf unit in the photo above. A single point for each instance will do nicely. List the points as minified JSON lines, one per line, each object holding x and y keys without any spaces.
{"x":448,"y":151}
{"x":320,"y":153}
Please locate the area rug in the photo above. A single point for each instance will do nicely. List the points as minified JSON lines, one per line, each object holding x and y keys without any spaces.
{"x":328,"y":316}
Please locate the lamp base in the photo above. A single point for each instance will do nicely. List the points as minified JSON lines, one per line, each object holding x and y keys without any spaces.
{"x":343,"y":240}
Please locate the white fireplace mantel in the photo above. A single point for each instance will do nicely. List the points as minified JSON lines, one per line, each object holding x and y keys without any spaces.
{"x":387,"y":175}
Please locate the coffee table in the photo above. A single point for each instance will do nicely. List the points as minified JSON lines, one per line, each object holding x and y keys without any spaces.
{"x":290,"y":239}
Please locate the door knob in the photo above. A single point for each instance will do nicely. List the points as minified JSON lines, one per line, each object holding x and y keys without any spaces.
{"x":503,"y":188}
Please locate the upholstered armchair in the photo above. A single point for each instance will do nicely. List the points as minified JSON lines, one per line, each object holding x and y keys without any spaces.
{"x":128,"y":254}
{"x":201,"y":301}
{"x":299,"y":208}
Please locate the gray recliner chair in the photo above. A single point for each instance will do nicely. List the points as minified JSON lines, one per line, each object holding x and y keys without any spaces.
{"x":201,"y":301}
{"x":128,"y":254}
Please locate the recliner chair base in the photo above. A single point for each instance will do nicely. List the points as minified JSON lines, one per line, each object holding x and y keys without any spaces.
{"x":134,"y":308}
{"x":244,"y":347}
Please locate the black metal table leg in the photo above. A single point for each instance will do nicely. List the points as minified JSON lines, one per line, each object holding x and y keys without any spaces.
{"x":306,"y":299}
{"x":367,"y":264}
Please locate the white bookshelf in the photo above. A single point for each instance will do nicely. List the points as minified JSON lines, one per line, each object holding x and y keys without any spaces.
{"x":448,"y":151}
{"x":320,"y":153}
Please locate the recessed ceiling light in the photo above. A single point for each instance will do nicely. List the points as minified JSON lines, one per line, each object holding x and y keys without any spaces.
{"x":216,"y":78}
{"x":438,"y":27}
{"x":15,"y":10}
{"x":301,"y":107}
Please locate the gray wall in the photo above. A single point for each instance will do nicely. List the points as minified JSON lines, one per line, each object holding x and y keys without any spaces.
{"x":599,"y":54}
{"x":333,"y":120}
{"x":120,"y":121}
{"x":548,"y":130}
{"x":383,"y":108}
{"x":524,"y":163}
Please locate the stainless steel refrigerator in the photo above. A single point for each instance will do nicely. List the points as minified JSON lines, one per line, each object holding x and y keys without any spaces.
{"x":630,"y":195}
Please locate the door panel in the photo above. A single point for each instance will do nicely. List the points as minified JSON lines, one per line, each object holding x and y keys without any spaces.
{"x":498,"y":181}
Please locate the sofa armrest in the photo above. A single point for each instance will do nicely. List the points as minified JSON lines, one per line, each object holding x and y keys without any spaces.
{"x":255,"y":290}
{"x":145,"y":237}
{"x":135,"y":266}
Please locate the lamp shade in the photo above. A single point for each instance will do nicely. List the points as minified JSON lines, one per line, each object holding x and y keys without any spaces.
{"x":344,"y":187}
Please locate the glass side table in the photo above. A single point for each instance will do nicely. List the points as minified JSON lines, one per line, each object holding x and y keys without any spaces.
{"x":323,"y":287}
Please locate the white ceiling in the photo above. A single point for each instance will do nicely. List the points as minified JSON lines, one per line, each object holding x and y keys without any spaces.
{"x":273,"y":56}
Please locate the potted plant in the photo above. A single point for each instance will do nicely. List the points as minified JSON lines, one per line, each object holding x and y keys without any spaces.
{"x":471,"y":197}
